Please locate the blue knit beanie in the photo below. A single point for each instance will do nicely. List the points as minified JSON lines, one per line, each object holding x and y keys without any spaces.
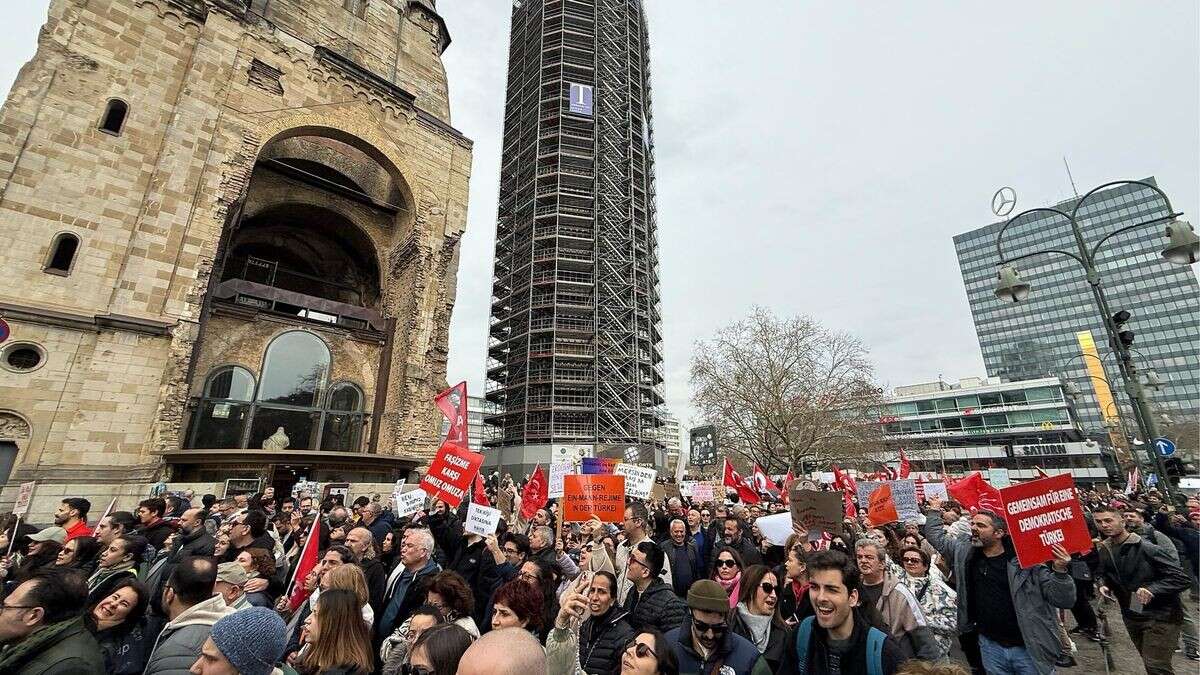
{"x":252,"y":639}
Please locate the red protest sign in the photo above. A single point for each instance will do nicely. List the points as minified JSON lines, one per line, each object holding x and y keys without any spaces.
{"x":600,"y":495}
{"x":1042,"y":513}
{"x":451,"y":474}
{"x":881,"y":508}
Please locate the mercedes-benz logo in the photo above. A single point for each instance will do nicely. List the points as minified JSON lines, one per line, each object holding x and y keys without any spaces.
{"x":1004,"y":201}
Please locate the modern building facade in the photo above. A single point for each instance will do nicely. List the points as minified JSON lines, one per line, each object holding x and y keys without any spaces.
{"x":575,"y":354}
{"x":479,"y":432}
{"x":989,"y":425}
{"x":671,"y":438}
{"x":231,"y":239}
{"x":1058,"y":331}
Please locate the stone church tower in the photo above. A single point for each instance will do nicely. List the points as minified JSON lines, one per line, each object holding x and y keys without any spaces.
{"x":230,"y":237}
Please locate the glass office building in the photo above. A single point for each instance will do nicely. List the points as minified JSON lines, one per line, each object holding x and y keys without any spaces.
{"x":1057,"y":330}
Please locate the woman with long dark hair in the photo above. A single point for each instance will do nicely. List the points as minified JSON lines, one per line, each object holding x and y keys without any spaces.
{"x":727,"y":571}
{"x":80,"y":554}
{"x":115,"y":619}
{"x":336,"y":639}
{"x":756,"y":616}
{"x":439,"y":650}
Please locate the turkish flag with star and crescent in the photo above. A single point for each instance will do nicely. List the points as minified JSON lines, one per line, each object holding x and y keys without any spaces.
{"x":734,"y":480}
{"x":453,"y":404}
{"x":535,"y":495}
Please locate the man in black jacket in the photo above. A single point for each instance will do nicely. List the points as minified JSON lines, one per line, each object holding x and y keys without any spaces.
{"x":734,"y":537}
{"x":683,"y":558}
{"x":837,"y":639}
{"x":150,"y":521}
{"x":604,"y":636}
{"x":361,"y":543}
{"x":651,"y":603}
{"x":1146,"y":583}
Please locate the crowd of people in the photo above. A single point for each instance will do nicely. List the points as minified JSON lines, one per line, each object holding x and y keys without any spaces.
{"x":206,"y":586}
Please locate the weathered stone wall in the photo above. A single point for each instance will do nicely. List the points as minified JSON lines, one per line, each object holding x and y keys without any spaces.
{"x":150,"y":207}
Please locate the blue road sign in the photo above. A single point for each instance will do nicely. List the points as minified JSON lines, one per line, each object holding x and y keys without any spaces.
{"x":1165,"y":446}
{"x":5,"y":331}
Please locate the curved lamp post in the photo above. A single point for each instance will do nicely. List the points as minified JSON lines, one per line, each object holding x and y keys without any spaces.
{"x":1183,"y":247}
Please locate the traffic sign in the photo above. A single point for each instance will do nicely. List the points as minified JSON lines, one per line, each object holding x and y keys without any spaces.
{"x":1165,"y":446}
{"x":5,"y":331}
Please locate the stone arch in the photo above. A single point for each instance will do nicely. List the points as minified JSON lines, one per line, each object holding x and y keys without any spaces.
{"x":14,"y":426}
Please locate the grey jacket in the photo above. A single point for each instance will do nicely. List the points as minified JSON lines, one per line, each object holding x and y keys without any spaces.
{"x":1036,"y":592}
{"x":179,"y":644}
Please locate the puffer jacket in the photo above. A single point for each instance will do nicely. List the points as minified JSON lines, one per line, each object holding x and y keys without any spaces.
{"x":179,"y":644}
{"x":1038,"y":592}
{"x":594,"y":649}
{"x":656,"y":607}
{"x":1137,"y":563}
{"x":735,"y":653}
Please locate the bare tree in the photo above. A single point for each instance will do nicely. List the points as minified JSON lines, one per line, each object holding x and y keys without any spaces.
{"x":786,"y":391}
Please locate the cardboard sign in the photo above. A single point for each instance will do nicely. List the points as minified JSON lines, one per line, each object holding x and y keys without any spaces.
{"x":1042,"y":513}
{"x":659,"y":492}
{"x":602,"y":496}
{"x":904,"y":496}
{"x":702,"y":492}
{"x":557,"y":471}
{"x":24,"y":498}
{"x":639,"y":481}
{"x":505,"y":501}
{"x":815,"y":510}
{"x":672,"y":490}
{"x":451,"y":474}
{"x":881,"y":510}
{"x":482,"y":520}
{"x":408,"y":503}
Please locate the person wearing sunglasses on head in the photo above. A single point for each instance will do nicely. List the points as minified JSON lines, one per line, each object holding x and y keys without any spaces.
{"x":705,"y":644}
{"x":756,"y":616}
{"x":649,"y":654}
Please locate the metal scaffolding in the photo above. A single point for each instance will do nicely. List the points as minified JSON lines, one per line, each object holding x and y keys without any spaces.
{"x":575,"y":352}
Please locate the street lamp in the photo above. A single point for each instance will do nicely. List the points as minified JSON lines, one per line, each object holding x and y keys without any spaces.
{"x":1182,"y":248}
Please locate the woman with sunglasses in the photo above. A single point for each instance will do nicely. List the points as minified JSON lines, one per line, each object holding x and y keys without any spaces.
{"x":649,"y":654}
{"x":938,"y":601}
{"x":727,"y":571}
{"x":756,"y":616}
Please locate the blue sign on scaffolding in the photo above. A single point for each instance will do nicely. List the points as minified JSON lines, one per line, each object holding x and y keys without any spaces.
{"x":1165,"y":446}
{"x":581,"y":99}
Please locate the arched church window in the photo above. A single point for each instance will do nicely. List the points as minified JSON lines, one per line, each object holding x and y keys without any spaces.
{"x":114,"y":117}
{"x":62,"y":254}
{"x":342,"y":431}
{"x":287,"y":410}
{"x":220,"y":420}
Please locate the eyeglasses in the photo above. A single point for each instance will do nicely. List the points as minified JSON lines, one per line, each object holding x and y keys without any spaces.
{"x":715,"y":628}
{"x":767,"y":587}
{"x":642,"y":650}
{"x":511,"y":551}
{"x":725,"y":562}
{"x":4,"y":605}
{"x":632,"y":560}
{"x":913,"y":560}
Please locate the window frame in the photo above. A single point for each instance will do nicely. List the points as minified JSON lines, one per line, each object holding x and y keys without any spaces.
{"x":102,"y":127}
{"x":55,"y":243}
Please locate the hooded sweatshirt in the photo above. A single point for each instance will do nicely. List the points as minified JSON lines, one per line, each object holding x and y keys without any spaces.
{"x":179,"y":644}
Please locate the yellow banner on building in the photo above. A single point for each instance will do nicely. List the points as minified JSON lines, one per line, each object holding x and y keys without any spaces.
{"x":1104,"y":395}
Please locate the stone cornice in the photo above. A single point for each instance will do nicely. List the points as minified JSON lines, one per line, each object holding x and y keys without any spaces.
{"x":95,"y":322}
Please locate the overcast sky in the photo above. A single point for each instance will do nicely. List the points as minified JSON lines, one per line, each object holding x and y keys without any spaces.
{"x":817,"y":157}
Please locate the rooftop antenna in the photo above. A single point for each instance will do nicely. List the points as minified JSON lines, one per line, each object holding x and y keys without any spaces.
{"x":1070,"y":177}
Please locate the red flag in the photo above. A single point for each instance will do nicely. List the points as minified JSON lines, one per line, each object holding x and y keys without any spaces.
{"x":905,"y":466}
{"x":974,"y":493}
{"x":763,"y":484}
{"x":848,"y":504}
{"x":453,"y":404}
{"x":787,"y":486}
{"x":535,"y":495}
{"x":734,"y":480}
{"x":842,"y":480}
{"x":479,"y":494}
{"x":1041,"y":473}
{"x":307,"y":562}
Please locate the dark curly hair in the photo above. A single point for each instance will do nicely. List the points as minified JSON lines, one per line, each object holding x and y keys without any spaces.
{"x":524,"y":599}
{"x":453,"y":589}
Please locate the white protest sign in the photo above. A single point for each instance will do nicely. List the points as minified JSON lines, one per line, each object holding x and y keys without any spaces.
{"x":639,"y":481}
{"x":998,"y":478}
{"x":936,"y":490}
{"x":24,"y":497}
{"x":685,"y":487}
{"x":408,"y":503}
{"x":775,"y":528}
{"x":904,"y":495}
{"x":557,"y":471}
{"x":482,"y":520}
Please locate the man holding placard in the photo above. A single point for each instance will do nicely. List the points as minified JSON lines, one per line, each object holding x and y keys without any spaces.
{"x":991,"y":585}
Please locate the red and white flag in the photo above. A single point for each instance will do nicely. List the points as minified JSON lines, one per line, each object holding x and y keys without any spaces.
{"x":734,"y":480}
{"x":453,"y":404}
{"x":479,"y":492}
{"x":905,"y":466}
{"x":307,"y":562}
{"x":787,"y":486}
{"x":1133,"y":481}
{"x":763,"y":484}
{"x":536,"y":493}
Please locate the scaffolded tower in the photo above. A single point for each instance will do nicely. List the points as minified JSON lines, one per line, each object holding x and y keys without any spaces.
{"x":575,"y":352}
